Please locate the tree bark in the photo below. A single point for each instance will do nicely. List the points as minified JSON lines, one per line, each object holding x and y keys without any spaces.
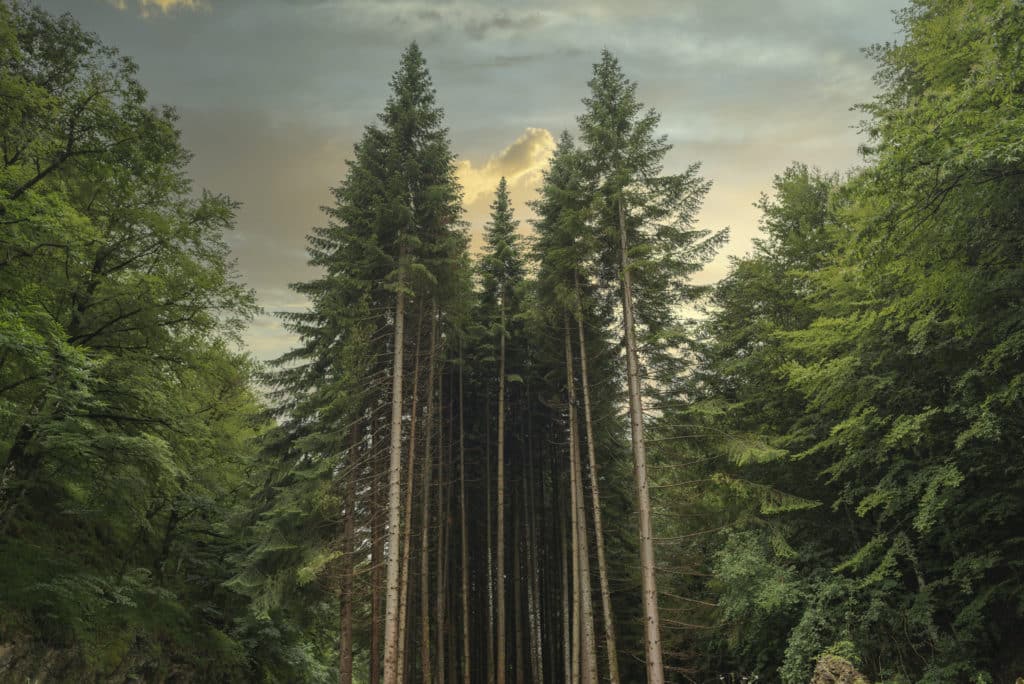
{"x":567,"y":639}
{"x":345,"y":635}
{"x":443,"y":512}
{"x":649,"y":585}
{"x":500,"y":551}
{"x":467,"y":670}
{"x":533,"y":587}
{"x":394,"y":488}
{"x":376,"y":574}
{"x":490,"y":548}
{"x":425,"y":642}
{"x":606,"y":597}
{"x":517,"y":583}
{"x":588,"y":645}
{"x":403,"y":604}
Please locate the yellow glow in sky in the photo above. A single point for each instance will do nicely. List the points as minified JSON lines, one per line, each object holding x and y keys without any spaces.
{"x":146,"y":7}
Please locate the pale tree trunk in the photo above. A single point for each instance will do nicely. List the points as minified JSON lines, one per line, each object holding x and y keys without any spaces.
{"x":652,"y":624}
{"x":345,"y":617}
{"x":588,"y":644}
{"x":500,"y":551}
{"x":577,"y":597}
{"x":567,"y":647}
{"x":441,"y":567}
{"x":467,"y":672}
{"x":531,"y":598}
{"x":490,"y":551}
{"x":403,"y":601}
{"x":428,"y":464}
{"x":533,"y":588}
{"x":377,"y":563}
{"x":517,"y":584}
{"x":394,"y":488}
{"x":606,"y":597}
{"x":551,"y":583}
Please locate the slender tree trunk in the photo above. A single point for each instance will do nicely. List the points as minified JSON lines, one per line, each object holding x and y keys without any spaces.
{"x":490,"y":548}
{"x":606,"y":597}
{"x":652,"y":624}
{"x":533,"y":588}
{"x":348,"y":547}
{"x":490,"y":552}
{"x":403,"y":604}
{"x":443,"y":511}
{"x":552,"y":590}
{"x":425,"y":642}
{"x":467,"y":670}
{"x":500,"y":552}
{"x":577,"y":598}
{"x":391,"y":671}
{"x":568,"y":642}
{"x":517,"y":584}
{"x":376,"y":574}
{"x":588,"y":644}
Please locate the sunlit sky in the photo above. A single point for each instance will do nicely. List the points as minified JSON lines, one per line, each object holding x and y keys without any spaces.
{"x":273,"y":93}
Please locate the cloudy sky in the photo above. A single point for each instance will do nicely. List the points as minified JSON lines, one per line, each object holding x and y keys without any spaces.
{"x":272,"y":94}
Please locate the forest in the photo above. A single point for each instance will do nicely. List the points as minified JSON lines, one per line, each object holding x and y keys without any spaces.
{"x":527,"y":462}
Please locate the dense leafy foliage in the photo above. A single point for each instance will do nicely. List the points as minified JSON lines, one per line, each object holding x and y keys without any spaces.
{"x":872,"y":344}
{"x":127,"y":419}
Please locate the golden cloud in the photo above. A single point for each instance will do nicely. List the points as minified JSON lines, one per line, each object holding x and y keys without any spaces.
{"x":521,"y":163}
{"x":147,"y":7}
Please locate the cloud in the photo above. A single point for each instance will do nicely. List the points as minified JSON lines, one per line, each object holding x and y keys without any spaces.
{"x":147,"y":7}
{"x":477,"y":29}
{"x":521,"y":163}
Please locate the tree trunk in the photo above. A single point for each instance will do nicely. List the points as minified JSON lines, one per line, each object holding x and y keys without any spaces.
{"x":403,"y":605}
{"x":443,"y":512}
{"x":490,"y":549}
{"x":391,"y":671}
{"x":533,"y":587}
{"x":348,"y":547}
{"x":588,"y":645}
{"x":467,"y":671}
{"x":500,"y":551}
{"x":425,"y":644}
{"x":575,"y":549}
{"x":652,"y":625}
{"x":567,"y":639}
{"x":517,"y":584}
{"x":376,"y":574}
{"x":606,"y":597}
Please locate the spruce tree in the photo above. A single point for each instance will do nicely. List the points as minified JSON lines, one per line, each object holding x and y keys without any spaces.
{"x":645,"y":223}
{"x":421,"y":216}
{"x":502,"y":271}
{"x":565,"y":253}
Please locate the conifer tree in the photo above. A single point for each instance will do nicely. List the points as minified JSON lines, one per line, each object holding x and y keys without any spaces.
{"x":421,"y":216}
{"x":645,"y":224}
{"x":565,"y":252}
{"x":502,"y":271}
